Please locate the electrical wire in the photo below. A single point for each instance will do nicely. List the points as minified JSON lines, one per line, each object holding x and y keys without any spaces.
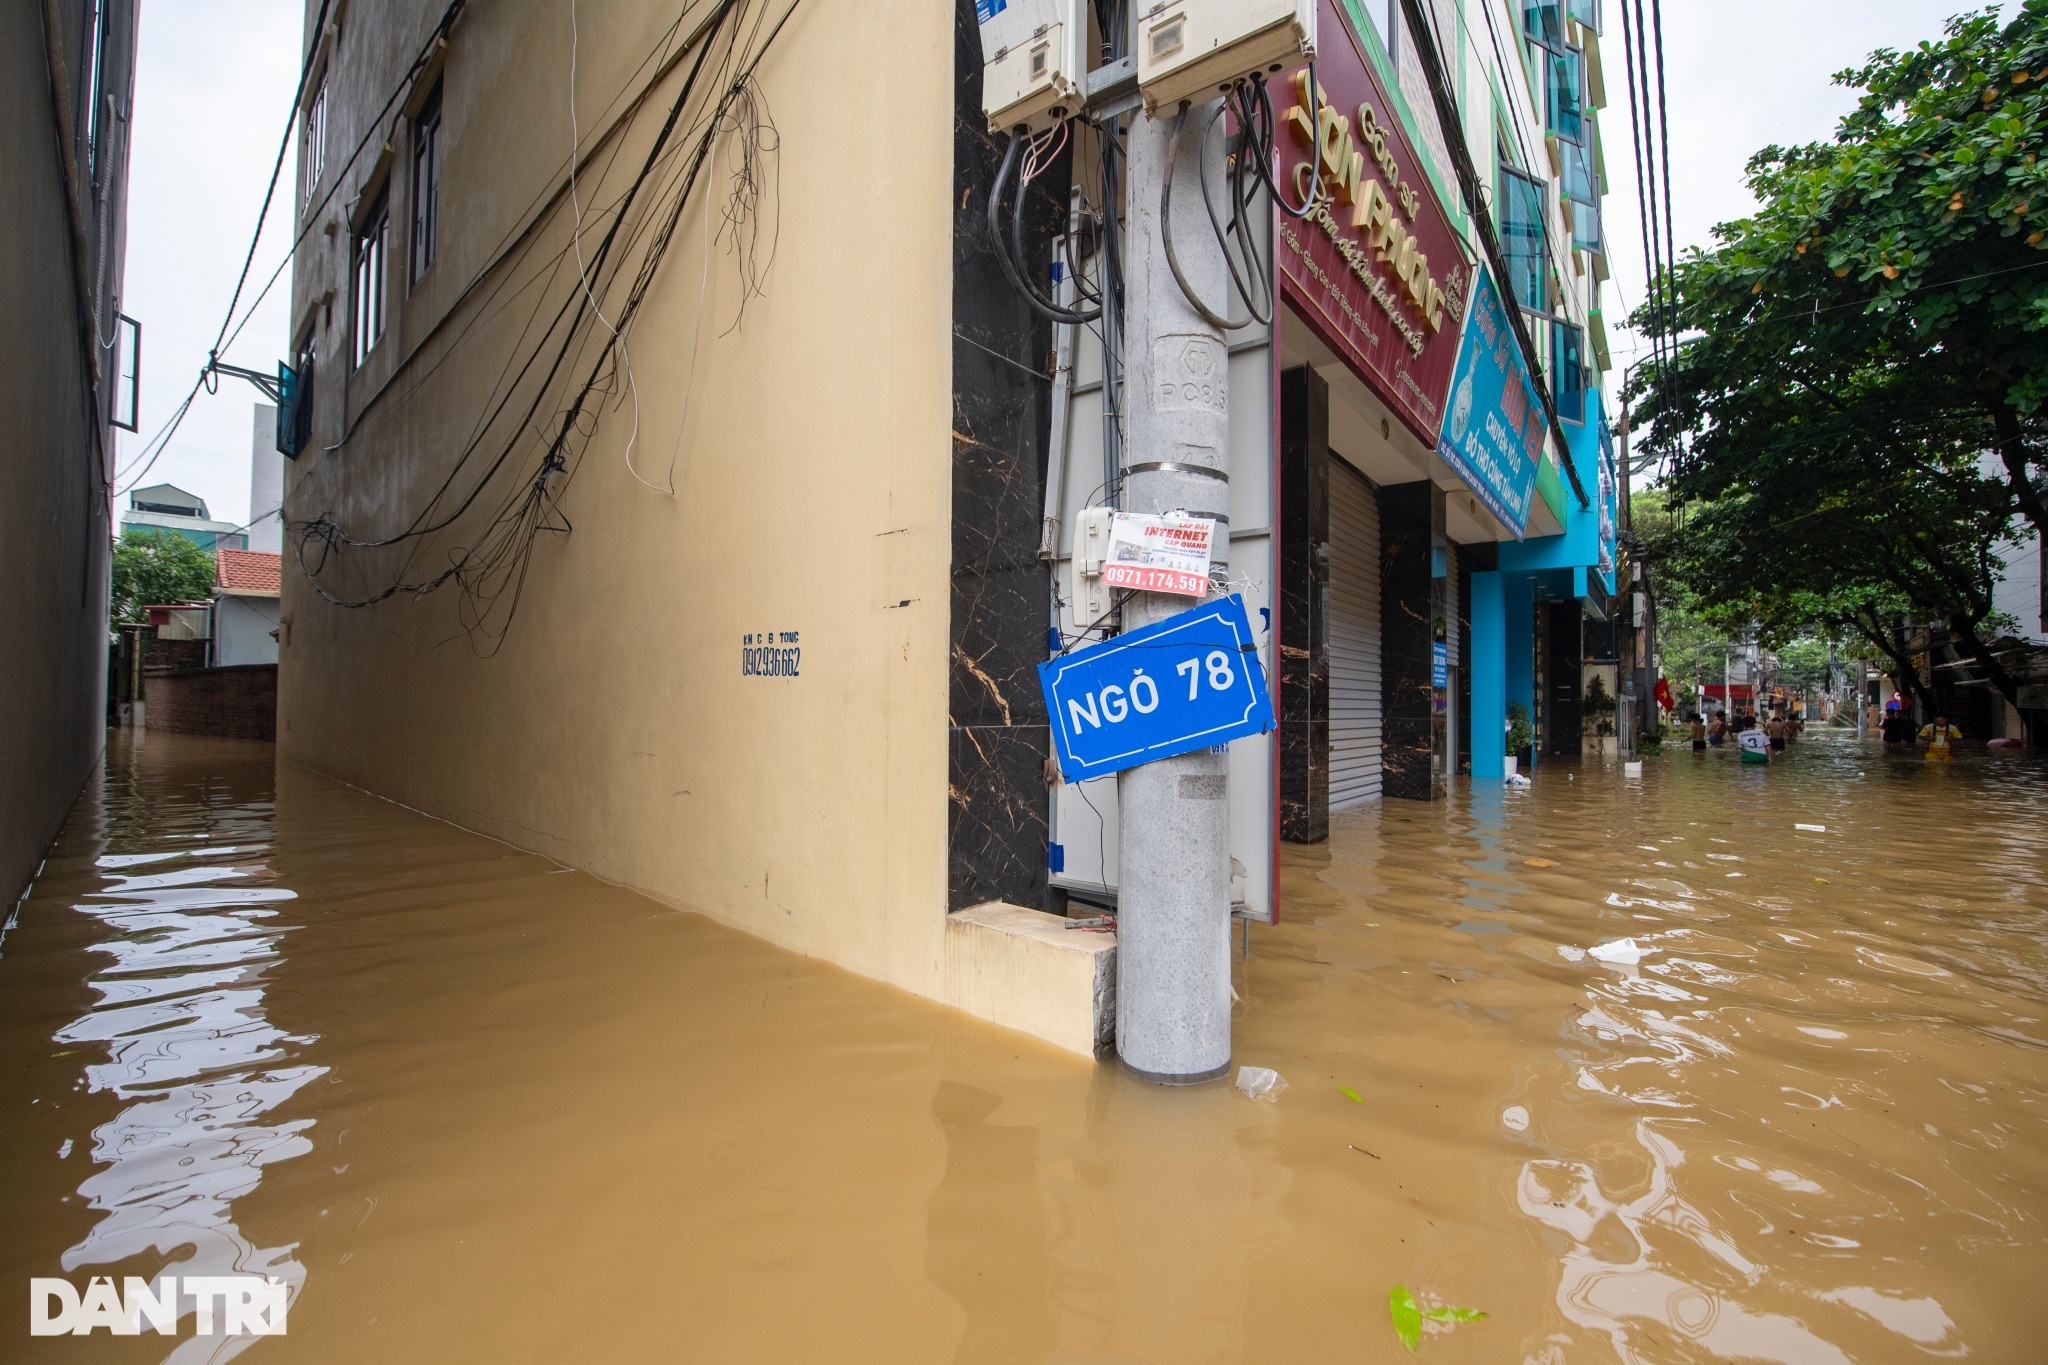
{"x":1256,"y":117}
{"x":1645,"y":192}
{"x":491,"y":569}
{"x":1237,"y":232}
{"x":425,"y":523}
{"x":1664,"y":155}
{"x":284,"y":146}
{"x":1003,"y":248}
{"x":224,"y":338}
{"x":582,"y":271}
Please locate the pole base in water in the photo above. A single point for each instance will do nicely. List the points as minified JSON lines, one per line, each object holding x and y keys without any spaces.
{"x":1158,"y":1078}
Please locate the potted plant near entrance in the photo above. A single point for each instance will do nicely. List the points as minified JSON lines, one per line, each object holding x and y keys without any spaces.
{"x":1597,"y":711}
{"x":1521,"y":734}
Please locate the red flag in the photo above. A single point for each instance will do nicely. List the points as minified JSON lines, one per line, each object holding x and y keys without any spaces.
{"x":1663,"y":695}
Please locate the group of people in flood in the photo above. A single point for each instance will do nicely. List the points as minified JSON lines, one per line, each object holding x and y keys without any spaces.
{"x":1897,"y":727}
{"x":1756,"y":738}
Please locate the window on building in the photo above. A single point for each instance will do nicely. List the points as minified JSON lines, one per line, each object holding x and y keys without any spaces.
{"x":1586,"y":231}
{"x":1586,"y":12}
{"x":1385,"y":17}
{"x":1568,"y":371}
{"x":92,"y":87}
{"x":1567,"y":82}
{"x":1581,"y":181}
{"x":1543,"y":22}
{"x":127,"y":371}
{"x":1522,"y":238}
{"x":295,"y":412}
{"x":426,"y":183}
{"x":313,"y":142}
{"x":372,"y":248}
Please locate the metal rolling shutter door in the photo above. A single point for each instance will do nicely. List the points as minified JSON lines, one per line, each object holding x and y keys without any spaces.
{"x":1453,"y":637}
{"x":1354,"y":638}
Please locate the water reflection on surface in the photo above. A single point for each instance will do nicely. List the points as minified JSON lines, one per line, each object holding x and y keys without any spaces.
{"x":474,"y":1107}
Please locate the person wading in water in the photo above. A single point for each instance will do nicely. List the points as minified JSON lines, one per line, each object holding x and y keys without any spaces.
{"x":1754,"y":743}
{"x":1940,"y":739}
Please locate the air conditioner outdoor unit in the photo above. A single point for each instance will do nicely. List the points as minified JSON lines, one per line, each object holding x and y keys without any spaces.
{"x":1033,"y":61}
{"x":1192,"y":49}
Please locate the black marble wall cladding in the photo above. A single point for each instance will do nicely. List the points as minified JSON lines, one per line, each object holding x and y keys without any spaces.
{"x":1002,"y":407}
{"x":1304,"y":700}
{"x":1413,"y":610}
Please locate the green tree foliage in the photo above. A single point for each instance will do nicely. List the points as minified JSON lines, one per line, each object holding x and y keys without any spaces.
{"x":1695,"y":629}
{"x":1844,"y":361}
{"x":153,"y":567}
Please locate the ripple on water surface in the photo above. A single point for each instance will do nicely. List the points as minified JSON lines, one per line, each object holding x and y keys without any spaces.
{"x":471,"y":1106}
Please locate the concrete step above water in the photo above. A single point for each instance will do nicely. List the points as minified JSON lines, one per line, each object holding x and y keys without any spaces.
{"x":1026,"y":970}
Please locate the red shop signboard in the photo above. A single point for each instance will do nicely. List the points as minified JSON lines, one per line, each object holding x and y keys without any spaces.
{"x":1375,"y":268}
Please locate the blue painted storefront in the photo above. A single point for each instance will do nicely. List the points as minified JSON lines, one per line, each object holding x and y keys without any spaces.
{"x":1503,"y":606}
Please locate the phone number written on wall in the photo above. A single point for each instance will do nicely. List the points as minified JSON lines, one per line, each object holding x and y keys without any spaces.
{"x":770,"y":654}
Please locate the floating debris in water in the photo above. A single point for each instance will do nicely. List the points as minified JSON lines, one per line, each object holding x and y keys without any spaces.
{"x":1622,"y":952}
{"x":1260,"y":1083}
{"x":1409,"y":1316}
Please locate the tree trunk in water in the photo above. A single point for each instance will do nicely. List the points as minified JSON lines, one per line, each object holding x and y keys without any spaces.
{"x":1891,"y":642}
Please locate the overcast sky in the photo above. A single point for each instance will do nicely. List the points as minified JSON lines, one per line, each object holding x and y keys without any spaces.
{"x":216,"y":80}
{"x":1742,"y":74}
{"x":213,"y":87}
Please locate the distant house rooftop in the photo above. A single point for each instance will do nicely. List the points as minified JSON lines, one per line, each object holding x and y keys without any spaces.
{"x":167,"y":499}
{"x":249,"y":573}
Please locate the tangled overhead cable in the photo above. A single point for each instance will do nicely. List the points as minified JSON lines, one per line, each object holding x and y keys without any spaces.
{"x":482,"y":526}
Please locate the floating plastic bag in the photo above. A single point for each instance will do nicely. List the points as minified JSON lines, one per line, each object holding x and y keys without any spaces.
{"x":1516,"y":782}
{"x":1622,"y":952}
{"x":1260,"y":1083}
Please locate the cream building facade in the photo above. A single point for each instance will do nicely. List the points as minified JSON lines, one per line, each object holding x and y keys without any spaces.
{"x":748,"y":682}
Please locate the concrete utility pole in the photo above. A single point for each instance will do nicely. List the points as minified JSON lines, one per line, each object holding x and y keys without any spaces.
{"x":1173,"y":816}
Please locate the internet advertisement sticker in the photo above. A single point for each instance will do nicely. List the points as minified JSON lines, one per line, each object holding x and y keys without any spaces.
{"x":1160,"y":553}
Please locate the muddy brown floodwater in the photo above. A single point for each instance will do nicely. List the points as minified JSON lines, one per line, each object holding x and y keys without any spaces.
{"x":473,"y":1107}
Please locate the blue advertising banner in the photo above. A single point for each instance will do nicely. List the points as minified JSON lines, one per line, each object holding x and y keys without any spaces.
{"x":1493,"y":433}
{"x":1189,"y":682}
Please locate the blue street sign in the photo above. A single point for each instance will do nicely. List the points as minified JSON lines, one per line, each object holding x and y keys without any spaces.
{"x":1189,"y":682}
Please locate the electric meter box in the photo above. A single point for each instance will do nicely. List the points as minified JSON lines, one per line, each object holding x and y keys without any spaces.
{"x":1193,"y":49}
{"x":1032,"y":61}
{"x":1089,"y":598}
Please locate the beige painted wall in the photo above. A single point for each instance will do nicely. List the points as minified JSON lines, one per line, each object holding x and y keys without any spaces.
{"x":612,"y":729}
{"x":53,"y":523}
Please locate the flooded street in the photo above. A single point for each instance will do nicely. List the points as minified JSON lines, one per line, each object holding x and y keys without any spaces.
{"x":473,"y":1107}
